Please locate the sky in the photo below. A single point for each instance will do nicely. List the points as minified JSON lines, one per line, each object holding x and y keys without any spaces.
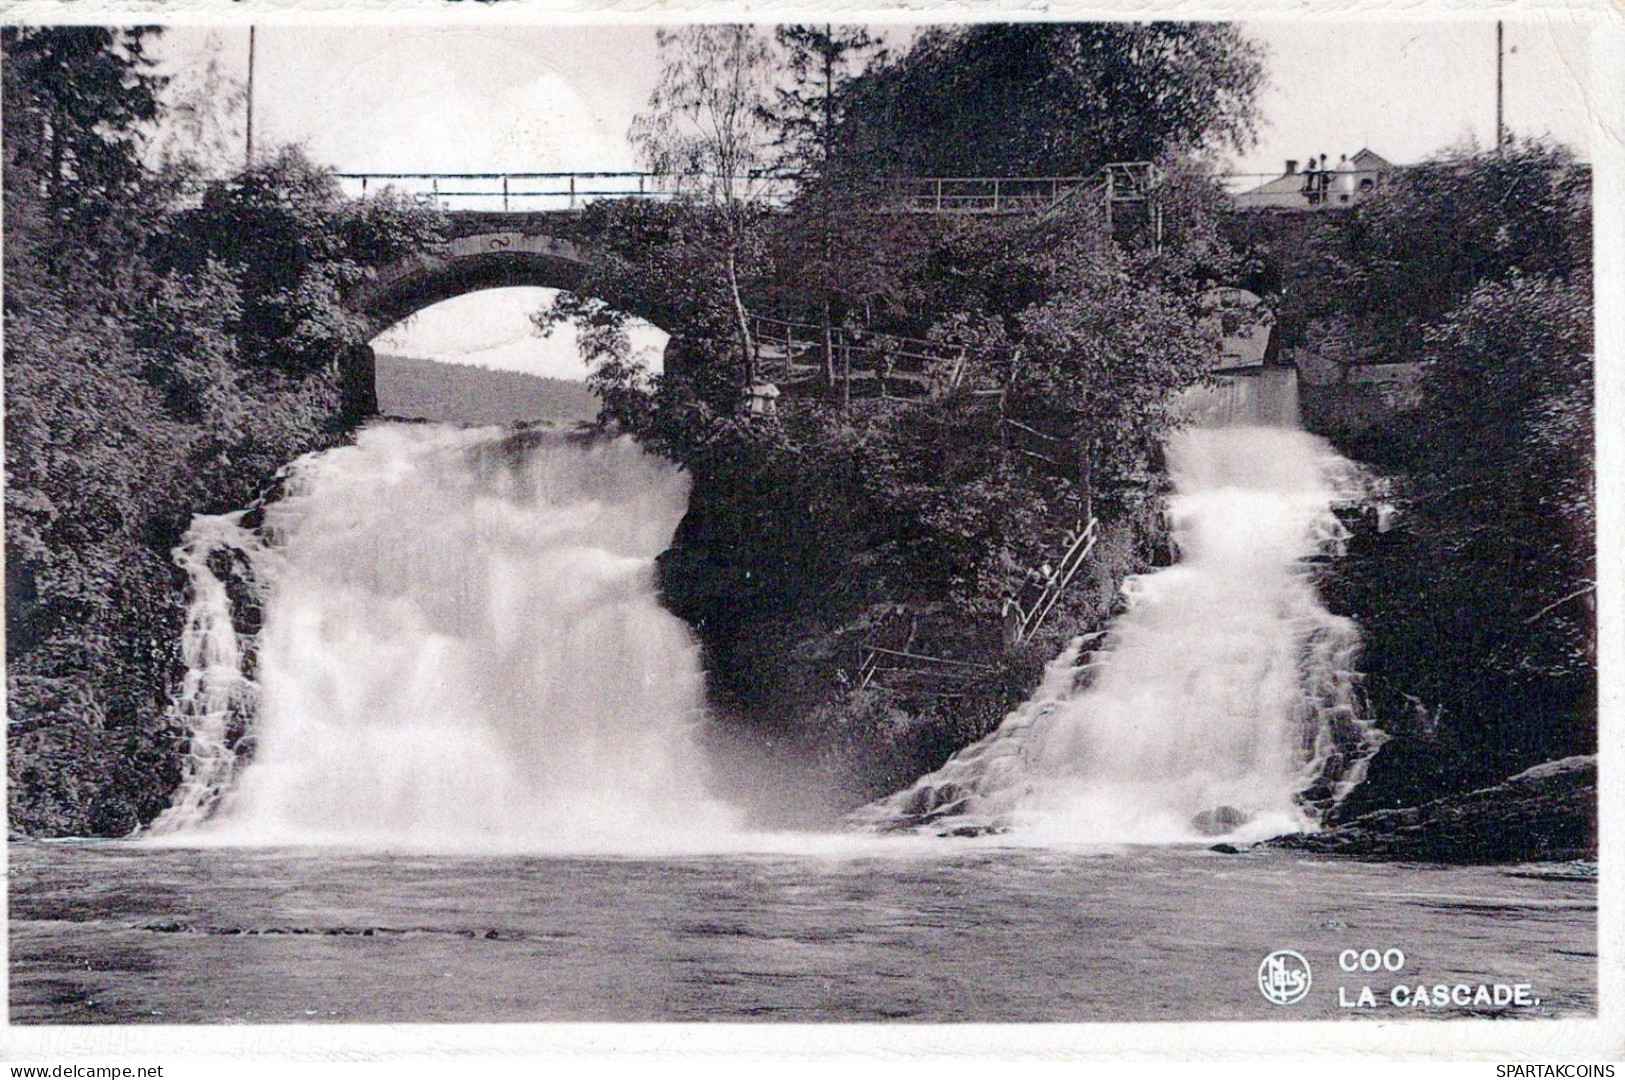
{"x":548,"y":98}
{"x":1409,"y":90}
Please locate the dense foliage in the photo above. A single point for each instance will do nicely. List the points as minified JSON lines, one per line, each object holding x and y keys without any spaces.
{"x":1394,"y":265}
{"x":169,"y":346}
{"x":850,"y":521}
{"x":1478,"y":608}
{"x":1053,"y":99}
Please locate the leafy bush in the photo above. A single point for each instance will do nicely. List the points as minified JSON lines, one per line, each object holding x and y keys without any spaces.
{"x":1479,"y":609}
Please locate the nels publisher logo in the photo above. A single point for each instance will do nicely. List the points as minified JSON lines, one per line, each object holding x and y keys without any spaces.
{"x":1283,"y":977}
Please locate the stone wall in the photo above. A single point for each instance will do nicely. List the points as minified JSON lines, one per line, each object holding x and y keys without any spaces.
{"x":1342,"y":392}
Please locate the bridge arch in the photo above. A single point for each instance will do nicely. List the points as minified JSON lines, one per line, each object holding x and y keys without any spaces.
{"x":490,"y":258}
{"x":487,"y":260}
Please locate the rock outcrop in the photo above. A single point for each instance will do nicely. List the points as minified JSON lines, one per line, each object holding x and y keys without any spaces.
{"x":1547,"y":813}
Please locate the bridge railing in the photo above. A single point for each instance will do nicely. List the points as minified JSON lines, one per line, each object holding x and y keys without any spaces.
{"x":540,"y":192}
{"x":564,"y":191}
{"x":500,"y":191}
{"x":516,"y":192}
{"x":975,"y":194}
{"x":520,"y":192}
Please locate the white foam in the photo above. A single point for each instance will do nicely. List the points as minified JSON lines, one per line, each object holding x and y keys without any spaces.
{"x":1226,"y":686}
{"x":462,"y":649}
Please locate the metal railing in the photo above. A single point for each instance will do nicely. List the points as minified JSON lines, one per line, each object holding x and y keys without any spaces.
{"x":554,"y":191}
{"x":975,"y":194}
{"x":1119,"y":182}
{"x":510,"y":192}
{"x":1027,"y":607}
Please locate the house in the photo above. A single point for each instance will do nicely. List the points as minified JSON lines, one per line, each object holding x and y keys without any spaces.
{"x":1318,"y":186}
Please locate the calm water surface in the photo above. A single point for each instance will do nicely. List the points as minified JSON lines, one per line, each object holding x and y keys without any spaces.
{"x":118,"y":932}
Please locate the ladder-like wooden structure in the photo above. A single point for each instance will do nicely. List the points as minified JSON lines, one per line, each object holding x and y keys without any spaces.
{"x":1027,"y":608}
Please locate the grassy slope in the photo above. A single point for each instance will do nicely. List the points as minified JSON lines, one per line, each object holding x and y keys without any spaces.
{"x":462,"y":393}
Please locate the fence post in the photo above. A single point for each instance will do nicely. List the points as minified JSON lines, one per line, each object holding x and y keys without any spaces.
{"x":846,"y":376}
{"x":572,"y":191}
{"x":995,"y":195}
{"x":504,"y":193}
{"x":829,"y":347}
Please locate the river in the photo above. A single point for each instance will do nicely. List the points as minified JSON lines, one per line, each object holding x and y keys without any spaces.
{"x":453,"y":775}
{"x":810,"y":929}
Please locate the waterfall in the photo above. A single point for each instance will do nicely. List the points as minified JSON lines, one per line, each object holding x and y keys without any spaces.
{"x":461,"y":646}
{"x":1222,"y":700}
{"x":218,"y":695}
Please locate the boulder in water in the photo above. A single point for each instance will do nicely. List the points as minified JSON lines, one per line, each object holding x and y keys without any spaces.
{"x":976,"y":829}
{"x":1219,"y":820}
{"x":930,"y":802}
{"x":1547,"y":813}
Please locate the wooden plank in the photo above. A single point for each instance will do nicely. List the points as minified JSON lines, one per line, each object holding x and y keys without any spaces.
{"x":931,"y":659}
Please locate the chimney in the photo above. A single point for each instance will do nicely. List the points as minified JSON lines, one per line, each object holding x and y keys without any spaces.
{"x":1291,"y":166}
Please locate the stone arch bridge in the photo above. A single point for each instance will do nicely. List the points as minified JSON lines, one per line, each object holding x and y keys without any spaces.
{"x":495,"y":244}
{"x":486,"y":250}
{"x":530,"y":249}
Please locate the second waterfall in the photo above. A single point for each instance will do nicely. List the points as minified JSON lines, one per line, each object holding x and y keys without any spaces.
{"x":1222,"y":701}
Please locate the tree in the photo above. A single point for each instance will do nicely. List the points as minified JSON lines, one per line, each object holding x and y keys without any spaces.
{"x":1443,"y":227}
{"x":810,"y":111}
{"x":1404,"y":258}
{"x":1054,"y":99}
{"x":1507,"y":485}
{"x":295,"y":245}
{"x":160,"y":361}
{"x":1478,"y":607}
{"x":704,"y":127}
{"x":79,"y":105}
{"x":666,"y":261}
{"x":808,"y":115}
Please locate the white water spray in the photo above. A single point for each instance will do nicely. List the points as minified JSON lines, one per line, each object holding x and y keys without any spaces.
{"x":218,"y":696}
{"x":462,"y":647}
{"x":1222,"y":700}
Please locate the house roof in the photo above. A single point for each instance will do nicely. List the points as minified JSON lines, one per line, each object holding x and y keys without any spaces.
{"x":1289,"y":189}
{"x":1284,"y":190}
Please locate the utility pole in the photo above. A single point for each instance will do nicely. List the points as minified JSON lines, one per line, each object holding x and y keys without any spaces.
{"x":826,"y":141}
{"x":1500,"y":122}
{"x":248,"y":150}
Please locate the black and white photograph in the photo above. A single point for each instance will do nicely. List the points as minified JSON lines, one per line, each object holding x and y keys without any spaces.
{"x":796,"y":530}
